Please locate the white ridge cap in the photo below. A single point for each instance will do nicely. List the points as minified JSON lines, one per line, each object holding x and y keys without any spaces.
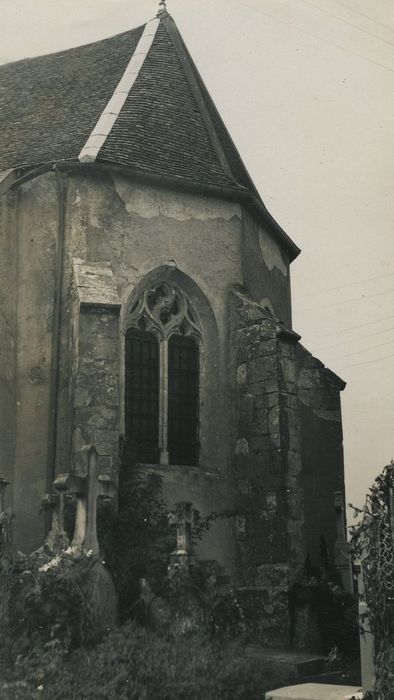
{"x":111,"y":112}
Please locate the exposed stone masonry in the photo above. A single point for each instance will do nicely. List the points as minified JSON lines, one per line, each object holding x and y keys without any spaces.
{"x":285,"y":401}
{"x":96,"y":400}
{"x":267,"y":450}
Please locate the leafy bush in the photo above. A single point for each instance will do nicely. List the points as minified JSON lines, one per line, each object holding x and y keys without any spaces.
{"x":50,"y":652}
{"x":136,"y":539}
{"x":52,"y":601}
{"x":136,"y":663}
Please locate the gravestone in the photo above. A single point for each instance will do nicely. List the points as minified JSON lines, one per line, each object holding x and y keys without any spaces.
{"x":187,"y":613}
{"x":86,"y":490}
{"x":182,"y":518}
{"x":57,"y":539}
{"x":3,"y":487}
{"x":102,"y":597}
{"x":99,"y":591}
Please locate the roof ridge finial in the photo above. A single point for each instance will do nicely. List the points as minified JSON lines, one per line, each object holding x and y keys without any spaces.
{"x":162,"y":11}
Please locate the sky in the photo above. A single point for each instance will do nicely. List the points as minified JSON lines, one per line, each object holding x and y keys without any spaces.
{"x":306,"y":89}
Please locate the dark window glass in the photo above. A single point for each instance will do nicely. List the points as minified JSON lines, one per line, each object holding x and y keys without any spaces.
{"x":183,"y":380}
{"x":142,"y":395}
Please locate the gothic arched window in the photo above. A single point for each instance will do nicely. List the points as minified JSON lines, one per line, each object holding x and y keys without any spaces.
{"x":162,"y":377}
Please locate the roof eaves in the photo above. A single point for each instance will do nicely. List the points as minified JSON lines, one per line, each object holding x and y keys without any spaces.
{"x":237,"y":193}
{"x":291,"y":247}
{"x":7,"y":178}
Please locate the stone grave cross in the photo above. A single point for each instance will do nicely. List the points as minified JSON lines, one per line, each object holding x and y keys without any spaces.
{"x":86,"y":489}
{"x":182,"y":518}
{"x":3,"y":486}
{"x":95,"y":485}
{"x":63,"y":486}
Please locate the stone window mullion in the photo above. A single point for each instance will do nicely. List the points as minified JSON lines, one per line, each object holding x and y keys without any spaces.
{"x":163,"y":403}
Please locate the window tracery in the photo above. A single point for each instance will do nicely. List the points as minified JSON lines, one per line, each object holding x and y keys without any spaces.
{"x":163,"y":312}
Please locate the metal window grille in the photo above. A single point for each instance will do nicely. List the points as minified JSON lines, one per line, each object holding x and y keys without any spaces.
{"x":142,"y":394}
{"x":183,"y":400}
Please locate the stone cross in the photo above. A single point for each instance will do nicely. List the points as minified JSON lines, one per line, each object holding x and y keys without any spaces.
{"x":343,"y":559}
{"x":3,"y":486}
{"x":86,"y":490}
{"x":6,"y":539}
{"x":64,"y":485}
{"x":92,"y":487}
{"x":182,"y":519}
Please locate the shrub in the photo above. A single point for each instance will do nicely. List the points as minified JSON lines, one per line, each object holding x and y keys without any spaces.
{"x":137,"y":539}
{"x":136,"y":663}
{"x":51,"y":602}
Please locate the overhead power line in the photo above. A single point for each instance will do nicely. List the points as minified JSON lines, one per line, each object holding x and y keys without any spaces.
{"x":342,"y":342}
{"x":358,"y":352}
{"x":363,"y":296}
{"x":362,"y":14}
{"x":349,"y":284}
{"x":366,"y":362}
{"x":315,"y":36}
{"x":353,"y":328}
{"x":341,"y":19}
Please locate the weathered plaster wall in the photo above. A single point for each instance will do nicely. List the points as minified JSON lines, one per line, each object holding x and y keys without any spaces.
{"x":322,"y":452}
{"x":137,"y":229}
{"x":266,"y":270}
{"x":142,"y":233}
{"x":8,"y":266}
{"x":260,"y":415}
{"x":37,"y":236}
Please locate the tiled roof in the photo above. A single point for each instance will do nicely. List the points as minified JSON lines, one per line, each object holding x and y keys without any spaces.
{"x":168,"y":126}
{"x":49,"y":105}
{"x":161,"y":128}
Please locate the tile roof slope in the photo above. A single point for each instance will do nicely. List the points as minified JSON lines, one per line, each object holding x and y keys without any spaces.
{"x":161,"y":128}
{"x":168,"y":126}
{"x":50,"y":104}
